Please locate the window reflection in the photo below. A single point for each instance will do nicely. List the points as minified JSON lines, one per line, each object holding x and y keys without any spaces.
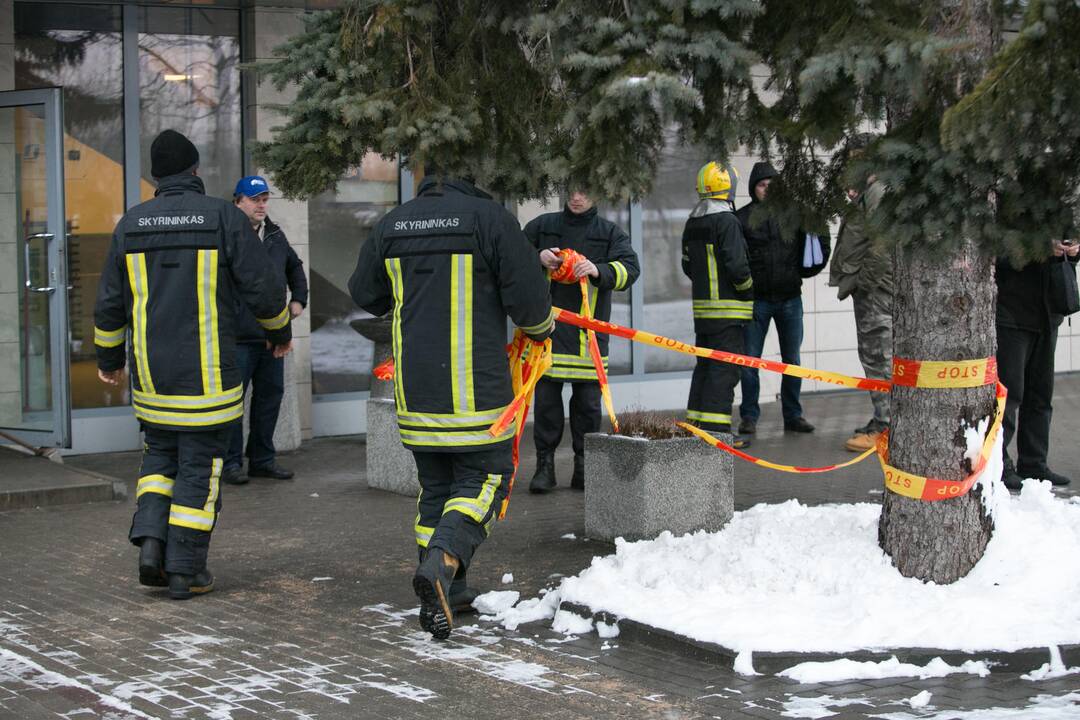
{"x":339,"y":222}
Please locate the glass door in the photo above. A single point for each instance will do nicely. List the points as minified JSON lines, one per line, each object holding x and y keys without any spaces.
{"x":35,"y":402}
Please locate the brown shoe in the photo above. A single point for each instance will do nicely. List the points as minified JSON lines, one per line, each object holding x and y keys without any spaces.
{"x":861,"y":442}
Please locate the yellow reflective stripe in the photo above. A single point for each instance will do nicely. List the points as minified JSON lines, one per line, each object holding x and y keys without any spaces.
{"x":393,"y":269}
{"x":575,"y":360}
{"x":225,"y":397}
{"x":137,"y":279}
{"x":724,"y":314}
{"x":452,"y":439}
{"x":422,"y":532}
{"x":541,"y":327}
{"x":745,"y":285}
{"x":109,"y":338}
{"x":277,"y":322}
{"x":461,"y":331}
{"x":440,"y":420}
{"x":710,"y":259}
{"x":190,"y":517}
{"x":708,"y":416}
{"x":206,"y":290}
{"x":154,"y":484}
{"x":620,"y":274}
{"x":189,"y":419}
{"x":476,"y":508}
{"x":215,"y":485}
{"x":723,"y":304}
{"x":571,"y":374}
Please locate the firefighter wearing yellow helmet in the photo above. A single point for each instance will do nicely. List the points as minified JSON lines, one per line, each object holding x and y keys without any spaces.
{"x":714,"y":258}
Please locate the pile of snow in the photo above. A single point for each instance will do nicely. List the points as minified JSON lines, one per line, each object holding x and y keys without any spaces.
{"x":797,"y":578}
{"x":843,"y":669}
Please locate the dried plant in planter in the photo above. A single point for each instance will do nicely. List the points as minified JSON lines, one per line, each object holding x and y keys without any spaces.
{"x":649,"y":424}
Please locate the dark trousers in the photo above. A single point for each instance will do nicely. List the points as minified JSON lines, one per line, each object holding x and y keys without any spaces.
{"x":712,"y":387}
{"x":266,"y":374}
{"x":548,"y":416}
{"x":178,"y":497}
{"x":1026,"y":367}
{"x":788,"y":316}
{"x":460,"y":497}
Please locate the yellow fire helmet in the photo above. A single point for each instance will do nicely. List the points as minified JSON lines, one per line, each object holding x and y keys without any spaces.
{"x":716,"y":180}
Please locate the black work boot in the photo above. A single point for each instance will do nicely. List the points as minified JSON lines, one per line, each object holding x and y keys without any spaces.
{"x":183,"y":587}
{"x":577,"y":482}
{"x":432,"y":583}
{"x":543,"y":480}
{"x":1010,"y":477}
{"x":151,"y":557}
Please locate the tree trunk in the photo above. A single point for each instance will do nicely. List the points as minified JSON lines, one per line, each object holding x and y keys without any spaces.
{"x":943,"y":309}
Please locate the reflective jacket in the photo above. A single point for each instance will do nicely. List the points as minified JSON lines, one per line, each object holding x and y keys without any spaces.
{"x":452,"y":265}
{"x":608,"y":247}
{"x":173,"y":272}
{"x":714,"y":258}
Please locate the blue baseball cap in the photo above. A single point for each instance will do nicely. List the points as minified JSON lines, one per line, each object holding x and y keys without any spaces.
{"x":251,"y":186}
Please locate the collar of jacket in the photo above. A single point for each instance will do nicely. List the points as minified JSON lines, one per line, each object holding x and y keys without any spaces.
{"x":180,"y":183}
{"x":433,"y":186}
{"x":572,"y":218}
{"x":269,"y":228}
{"x":711,"y":206}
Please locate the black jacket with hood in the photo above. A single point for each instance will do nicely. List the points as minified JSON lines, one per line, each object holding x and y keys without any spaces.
{"x":776,"y":261}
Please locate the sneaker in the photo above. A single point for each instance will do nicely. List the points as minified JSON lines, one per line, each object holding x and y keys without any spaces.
{"x":184,"y":587}
{"x":798,"y":425}
{"x":151,"y":555}
{"x":747,"y":426}
{"x":233,"y":476}
{"x":543,"y":481}
{"x":1010,"y":477}
{"x":431,"y":583}
{"x":577,"y":482}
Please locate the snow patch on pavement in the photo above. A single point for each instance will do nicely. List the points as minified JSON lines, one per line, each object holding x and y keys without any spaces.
{"x":1042,"y":707}
{"x":1053,"y":669}
{"x":817,"y":707}
{"x":736,"y":587}
{"x":920,"y":700}
{"x":496,"y":601}
{"x":843,"y":669}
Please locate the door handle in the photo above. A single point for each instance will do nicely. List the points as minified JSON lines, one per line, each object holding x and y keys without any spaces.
{"x":30,"y":283}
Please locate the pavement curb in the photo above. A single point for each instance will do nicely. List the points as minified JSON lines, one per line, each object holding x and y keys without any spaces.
{"x":1020,"y":661}
{"x":97,"y":488}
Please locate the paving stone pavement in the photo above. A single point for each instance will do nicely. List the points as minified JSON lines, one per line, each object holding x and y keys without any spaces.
{"x":314,"y":615}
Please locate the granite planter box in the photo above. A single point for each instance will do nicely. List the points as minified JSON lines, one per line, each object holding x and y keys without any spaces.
{"x":389,"y":465}
{"x":637,"y":488}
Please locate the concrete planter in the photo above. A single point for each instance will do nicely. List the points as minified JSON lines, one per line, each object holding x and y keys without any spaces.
{"x":637,"y":488}
{"x":389,"y":465}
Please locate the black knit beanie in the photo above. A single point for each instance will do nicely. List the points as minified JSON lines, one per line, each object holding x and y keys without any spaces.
{"x":171,"y":154}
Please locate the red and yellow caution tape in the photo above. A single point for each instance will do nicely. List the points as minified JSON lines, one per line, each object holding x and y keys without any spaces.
{"x":945,"y":373}
{"x":720,"y":445}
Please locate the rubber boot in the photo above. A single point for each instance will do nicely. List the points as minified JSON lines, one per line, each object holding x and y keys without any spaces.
{"x":577,"y":482}
{"x":151,"y":559}
{"x":432,"y":583}
{"x":184,"y":587}
{"x":544,"y":479}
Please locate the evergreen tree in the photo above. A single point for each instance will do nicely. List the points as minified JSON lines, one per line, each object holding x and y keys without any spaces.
{"x":977,"y":147}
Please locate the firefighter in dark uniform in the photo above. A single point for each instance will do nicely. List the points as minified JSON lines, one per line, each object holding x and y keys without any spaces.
{"x":610,"y":264}
{"x":452,"y":264}
{"x":175,"y":266}
{"x":715,"y":259}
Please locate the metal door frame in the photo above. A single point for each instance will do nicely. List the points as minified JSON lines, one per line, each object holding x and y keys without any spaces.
{"x":52,"y":100}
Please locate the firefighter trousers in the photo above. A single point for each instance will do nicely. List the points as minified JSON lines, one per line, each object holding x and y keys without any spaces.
{"x":548,"y":419}
{"x":460,"y":497}
{"x":712,"y":387}
{"x":178,"y":497}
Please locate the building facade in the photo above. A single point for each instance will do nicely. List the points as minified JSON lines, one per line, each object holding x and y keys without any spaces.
{"x":128,"y":70}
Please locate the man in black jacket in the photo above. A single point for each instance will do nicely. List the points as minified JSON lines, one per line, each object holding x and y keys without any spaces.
{"x":452,"y":264}
{"x":722,"y":290}
{"x":778,"y":264}
{"x":175,"y":269}
{"x":257,"y":363}
{"x":1027,"y":331}
{"x":610,"y":264}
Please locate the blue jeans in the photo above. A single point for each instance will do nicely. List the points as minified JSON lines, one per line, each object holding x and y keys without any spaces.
{"x":787,"y":314}
{"x":266,"y":374}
